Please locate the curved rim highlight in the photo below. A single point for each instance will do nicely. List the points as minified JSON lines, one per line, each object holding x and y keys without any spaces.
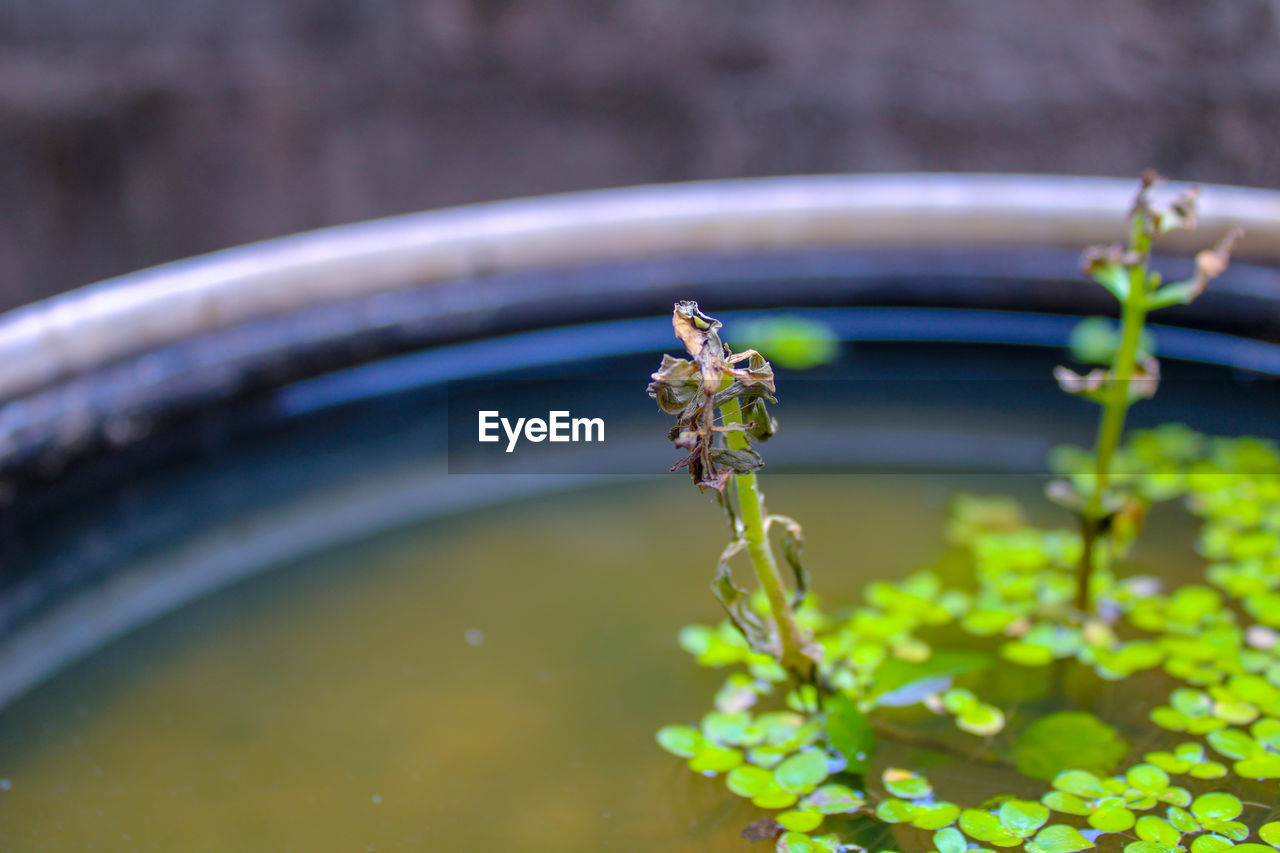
{"x":113,"y":319}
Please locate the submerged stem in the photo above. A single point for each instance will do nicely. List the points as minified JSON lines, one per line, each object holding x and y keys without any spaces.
{"x":751,"y":510}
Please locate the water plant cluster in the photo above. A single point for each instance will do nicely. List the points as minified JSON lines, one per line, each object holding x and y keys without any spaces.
{"x":1059,"y":701}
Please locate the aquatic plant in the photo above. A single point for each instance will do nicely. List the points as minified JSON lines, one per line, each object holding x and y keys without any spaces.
{"x":833,"y":721}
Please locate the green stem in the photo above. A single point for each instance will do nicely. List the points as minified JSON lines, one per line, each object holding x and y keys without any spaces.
{"x":1114,"y":412}
{"x":751,"y":511}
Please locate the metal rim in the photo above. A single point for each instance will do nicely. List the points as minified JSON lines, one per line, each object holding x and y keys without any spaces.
{"x":117,"y":318}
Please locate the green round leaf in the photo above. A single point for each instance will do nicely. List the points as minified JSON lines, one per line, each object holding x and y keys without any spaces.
{"x":1211,"y":844}
{"x":801,"y":773}
{"x":1068,"y":740}
{"x":1112,"y":819}
{"x":1217,"y":807}
{"x":792,"y":342}
{"x":934,"y":815}
{"x":949,"y":840}
{"x":984,"y":826}
{"x":1262,"y":766}
{"x":895,"y":811}
{"x":681,"y":741}
{"x":748,"y":781}
{"x":1153,"y":829}
{"x":1060,"y":801}
{"x":714,"y":759}
{"x":906,"y":784}
{"x":1059,"y":838}
{"x":1026,"y":654}
{"x":981,"y":719}
{"x":1146,"y":847}
{"x":1022,"y":817}
{"x":798,"y":842}
{"x":834,"y":799}
{"x":799,"y":820}
{"x":730,"y":729}
{"x":1147,"y":778}
{"x":1082,"y":783}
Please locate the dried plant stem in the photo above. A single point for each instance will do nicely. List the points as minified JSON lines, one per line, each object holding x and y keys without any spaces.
{"x":751,"y":513}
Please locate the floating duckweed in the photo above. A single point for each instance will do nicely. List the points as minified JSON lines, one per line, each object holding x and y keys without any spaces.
{"x":1059,"y":838}
{"x":800,"y":820}
{"x":1040,"y":607}
{"x":680,"y":741}
{"x":949,"y":840}
{"x":906,"y":784}
{"x":801,"y":773}
{"x":1216,"y":807}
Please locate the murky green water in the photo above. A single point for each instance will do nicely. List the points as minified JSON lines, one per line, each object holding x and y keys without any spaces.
{"x":476,"y":684}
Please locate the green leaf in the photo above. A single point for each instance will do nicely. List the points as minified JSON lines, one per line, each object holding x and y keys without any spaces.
{"x":1026,"y":654}
{"x":738,"y":693}
{"x":1153,"y":829}
{"x":981,"y":719}
{"x":730,"y":729}
{"x":799,"y":820}
{"x":792,"y":342}
{"x":1059,"y":838}
{"x":1270,"y":833}
{"x":984,"y":826}
{"x":949,"y":840}
{"x":759,"y":786}
{"x":1060,"y":801}
{"x":895,"y":811}
{"x":774,"y":799}
{"x":681,"y":741}
{"x":905,"y":784}
{"x":798,"y":842}
{"x":1232,"y":743}
{"x":834,"y":799}
{"x":1178,"y":293}
{"x":712,"y":759}
{"x":1147,"y":778}
{"x":1182,"y":820}
{"x":1082,"y":783}
{"x":803,"y":772}
{"x":1094,"y":340}
{"x":934,"y":815}
{"x":850,"y":733}
{"x":1068,"y":740}
{"x":748,"y":781}
{"x":1022,"y":817}
{"x":1217,"y":807}
{"x":899,"y":683}
{"x":1263,"y":766}
{"x":1112,"y":819}
{"x":1212,"y":844}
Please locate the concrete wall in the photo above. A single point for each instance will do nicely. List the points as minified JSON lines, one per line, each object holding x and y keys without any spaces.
{"x":138,"y":131}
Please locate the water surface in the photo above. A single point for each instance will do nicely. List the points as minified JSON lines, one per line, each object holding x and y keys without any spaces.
{"x":487,"y":682}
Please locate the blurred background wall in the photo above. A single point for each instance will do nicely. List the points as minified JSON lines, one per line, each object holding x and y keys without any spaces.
{"x":139,"y":131}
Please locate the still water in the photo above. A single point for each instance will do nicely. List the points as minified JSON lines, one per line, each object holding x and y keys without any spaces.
{"x":483,"y":683}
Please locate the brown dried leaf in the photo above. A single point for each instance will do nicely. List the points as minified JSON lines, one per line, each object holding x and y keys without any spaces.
{"x":693,"y":390}
{"x":765,"y":829}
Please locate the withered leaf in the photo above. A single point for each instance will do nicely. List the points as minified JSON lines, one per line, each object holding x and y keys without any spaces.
{"x":764,"y":829}
{"x":694,"y":389}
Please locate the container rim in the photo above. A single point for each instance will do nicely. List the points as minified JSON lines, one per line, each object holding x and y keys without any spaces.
{"x":96,"y":325}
